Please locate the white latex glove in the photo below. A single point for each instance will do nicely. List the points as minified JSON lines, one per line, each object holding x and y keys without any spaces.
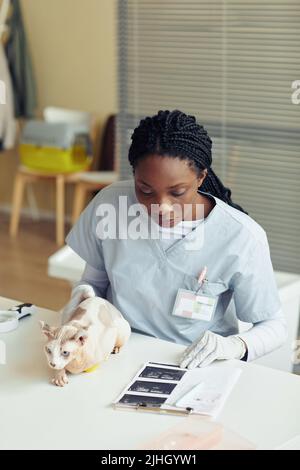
{"x":211,"y":347}
{"x":78,"y":294}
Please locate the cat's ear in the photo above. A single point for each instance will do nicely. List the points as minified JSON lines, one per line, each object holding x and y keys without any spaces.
{"x":81,"y":336}
{"x":47,"y":330}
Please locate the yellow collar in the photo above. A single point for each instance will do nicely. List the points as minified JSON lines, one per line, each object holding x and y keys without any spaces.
{"x":92,"y":368}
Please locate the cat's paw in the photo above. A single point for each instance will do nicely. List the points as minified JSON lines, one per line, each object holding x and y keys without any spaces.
{"x":60,"y":380}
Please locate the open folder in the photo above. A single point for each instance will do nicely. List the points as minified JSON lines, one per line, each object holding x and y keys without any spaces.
{"x":168,"y":389}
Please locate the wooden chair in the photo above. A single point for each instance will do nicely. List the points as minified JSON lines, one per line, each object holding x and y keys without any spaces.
{"x":88,"y":182}
{"x":24,"y":176}
{"x":91,"y":181}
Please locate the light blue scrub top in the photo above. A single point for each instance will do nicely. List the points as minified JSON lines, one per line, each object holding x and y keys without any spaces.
{"x":144,"y":279}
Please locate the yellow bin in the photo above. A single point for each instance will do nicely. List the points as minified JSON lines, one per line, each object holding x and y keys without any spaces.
{"x":54,"y":159}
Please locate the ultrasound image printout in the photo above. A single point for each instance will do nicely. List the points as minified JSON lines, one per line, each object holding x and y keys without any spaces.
{"x":135,"y":400}
{"x":162,"y":374}
{"x":152,"y":387}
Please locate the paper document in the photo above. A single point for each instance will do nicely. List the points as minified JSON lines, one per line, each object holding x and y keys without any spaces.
{"x":167,"y":387}
{"x":204,"y":390}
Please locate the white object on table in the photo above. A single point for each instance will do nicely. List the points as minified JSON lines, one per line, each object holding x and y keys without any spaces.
{"x":66,"y":264}
{"x":264,"y":406}
{"x":208,"y":389}
{"x":8,"y":321}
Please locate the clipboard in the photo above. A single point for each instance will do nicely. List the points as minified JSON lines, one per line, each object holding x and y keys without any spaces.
{"x":168,"y":389}
{"x":154,"y":409}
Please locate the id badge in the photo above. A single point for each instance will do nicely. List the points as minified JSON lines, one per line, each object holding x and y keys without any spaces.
{"x":197,"y":306}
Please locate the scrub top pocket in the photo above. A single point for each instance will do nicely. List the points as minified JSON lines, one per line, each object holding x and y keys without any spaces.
{"x":212,"y":288}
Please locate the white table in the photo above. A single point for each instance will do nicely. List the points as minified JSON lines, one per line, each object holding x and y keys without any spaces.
{"x":264,"y":406}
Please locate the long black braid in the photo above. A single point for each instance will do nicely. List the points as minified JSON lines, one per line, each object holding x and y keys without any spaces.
{"x":176,"y":134}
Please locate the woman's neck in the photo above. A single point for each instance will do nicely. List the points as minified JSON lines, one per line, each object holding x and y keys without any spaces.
{"x":208,"y":205}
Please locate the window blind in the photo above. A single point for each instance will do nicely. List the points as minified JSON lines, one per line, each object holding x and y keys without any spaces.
{"x":231,"y":63}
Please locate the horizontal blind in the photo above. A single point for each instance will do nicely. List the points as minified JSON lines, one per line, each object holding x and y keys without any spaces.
{"x":231,"y":63}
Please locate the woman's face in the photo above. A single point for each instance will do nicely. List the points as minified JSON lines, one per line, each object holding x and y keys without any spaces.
{"x":170,"y":184}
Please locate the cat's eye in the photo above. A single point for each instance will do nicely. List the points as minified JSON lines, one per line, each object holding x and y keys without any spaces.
{"x":48,"y":350}
{"x":65,"y":353}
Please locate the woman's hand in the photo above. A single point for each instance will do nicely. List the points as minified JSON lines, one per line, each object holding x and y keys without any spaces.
{"x":78,"y":294}
{"x":211,"y":347}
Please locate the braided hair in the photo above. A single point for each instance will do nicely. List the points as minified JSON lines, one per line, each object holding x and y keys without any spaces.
{"x":175,"y":134}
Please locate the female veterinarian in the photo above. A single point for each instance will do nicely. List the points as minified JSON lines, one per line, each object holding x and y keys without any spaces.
{"x":178,"y":285}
